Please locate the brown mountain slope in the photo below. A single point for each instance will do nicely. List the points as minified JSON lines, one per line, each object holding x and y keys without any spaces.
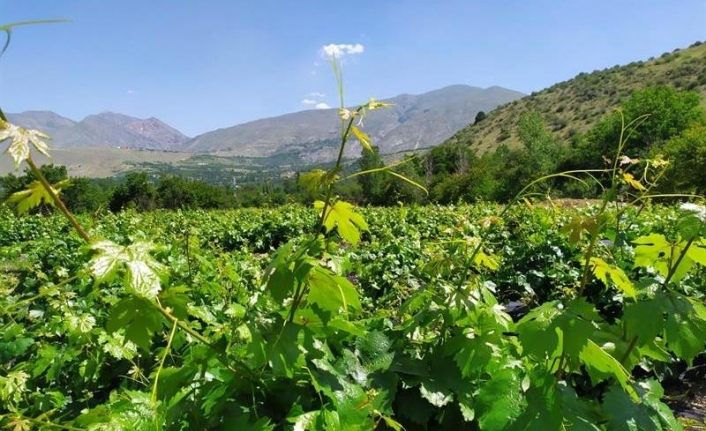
{"x":575,"y":105}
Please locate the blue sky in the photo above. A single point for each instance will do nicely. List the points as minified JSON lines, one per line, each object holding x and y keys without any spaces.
{"x":200,"y":65}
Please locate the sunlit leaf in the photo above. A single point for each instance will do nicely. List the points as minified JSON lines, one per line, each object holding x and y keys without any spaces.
{"x":345,"y":219}
{"x":312,"y":180}
{"x":601,"y":365}
{"x":332,"y":292}
{"x":363,"y":138}
{"x":142,"y":271}
{"x":36,"y":194}
{"x":654,"y":251}
{"x":20,"y":141}
{"x":374,"y":104}
{"x":630,"y":179}
{"x":604,"y":271}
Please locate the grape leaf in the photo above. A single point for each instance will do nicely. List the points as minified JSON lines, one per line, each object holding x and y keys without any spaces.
{"x":625,"y":414}
{"x":655,"y":251}
{"x":630,"y":179}
{"x":35,"y":194}
{"x":345,"y":219}
{"x":604,"y":271}
{"x":363,"y":138}
{"x":283,"y":352}
{"x":332,"y":292}
{"x":685,"y":328}
{"x":499,"y":400}
{"x":138,"y":318}
{"x":644,"y":320}
{"x":142,"y":271}
{"x":601,"y":365}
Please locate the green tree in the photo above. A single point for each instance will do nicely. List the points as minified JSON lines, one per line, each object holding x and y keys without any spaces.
{"x":659,"y":113}
{"x":372,"y":185}
{"x":135,"y":191}
{"x":542,"y":149}
{"x":395,"y":191}
{"x":480,"y":116}
{"x":539,"y":155}
{"x":687,"y":156}
{"x":86,"y":195}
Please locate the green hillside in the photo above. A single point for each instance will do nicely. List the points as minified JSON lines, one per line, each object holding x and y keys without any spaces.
{"x":575,"y":105}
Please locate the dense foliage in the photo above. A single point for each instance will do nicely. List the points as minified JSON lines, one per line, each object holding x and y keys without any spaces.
{"x":667,"y":123}
{"x":88,"y":353}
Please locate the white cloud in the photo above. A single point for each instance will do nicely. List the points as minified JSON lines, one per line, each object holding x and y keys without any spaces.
{"x":314,"y":99}
{"x":334,"y":50}
{"x":132,"y":92}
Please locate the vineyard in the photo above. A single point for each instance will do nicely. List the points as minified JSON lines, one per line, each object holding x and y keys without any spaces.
{"x":410,"y":328}
{"x":530,"y":315}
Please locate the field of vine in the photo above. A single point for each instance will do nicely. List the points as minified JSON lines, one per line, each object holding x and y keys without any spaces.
{"x":187,"y":320}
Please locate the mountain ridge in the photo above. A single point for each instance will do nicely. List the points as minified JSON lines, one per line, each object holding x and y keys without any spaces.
{"x":429,"y":118}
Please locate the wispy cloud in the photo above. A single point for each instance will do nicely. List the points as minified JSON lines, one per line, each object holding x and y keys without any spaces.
{"x":339,"y":50}
{"x":314,"y":100}
{"x":132,"y":92}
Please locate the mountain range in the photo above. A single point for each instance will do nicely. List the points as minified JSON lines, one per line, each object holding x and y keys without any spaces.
{"x":413,"y":122}
{"x":300,"y":138}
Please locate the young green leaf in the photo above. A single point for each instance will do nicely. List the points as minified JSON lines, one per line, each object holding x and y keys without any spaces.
{"x":142,"y":271}
{"x":604,"y":271}
{"x":35,"y":194}
{"x":363,"y":138}
{"x":630,"y":179}
{"x":345,"y":219}
{"x":601,"y":365}
{"x":315,"y":179}
{"x":332,"y":292}
{"x":654,"y":251}
{"x":138,"y":318}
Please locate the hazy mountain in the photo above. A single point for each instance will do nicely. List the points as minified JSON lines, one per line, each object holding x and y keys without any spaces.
{"x":415,"y":121}
{"x":103,"y":130}
{"x":46,"y":121}
{"x":577,"y":104}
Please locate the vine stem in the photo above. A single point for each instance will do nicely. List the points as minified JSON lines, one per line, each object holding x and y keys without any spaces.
{"x":329,"y":191}
{"x":682,"y":255}
{"x":220,"y":355}
{"x":631,"y":346}
{"x":161,"y":362}
{"x":606,"y":199}
{"x":59,"y":203}
{"x":301,"y":290}
{"x":183,"y":325}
